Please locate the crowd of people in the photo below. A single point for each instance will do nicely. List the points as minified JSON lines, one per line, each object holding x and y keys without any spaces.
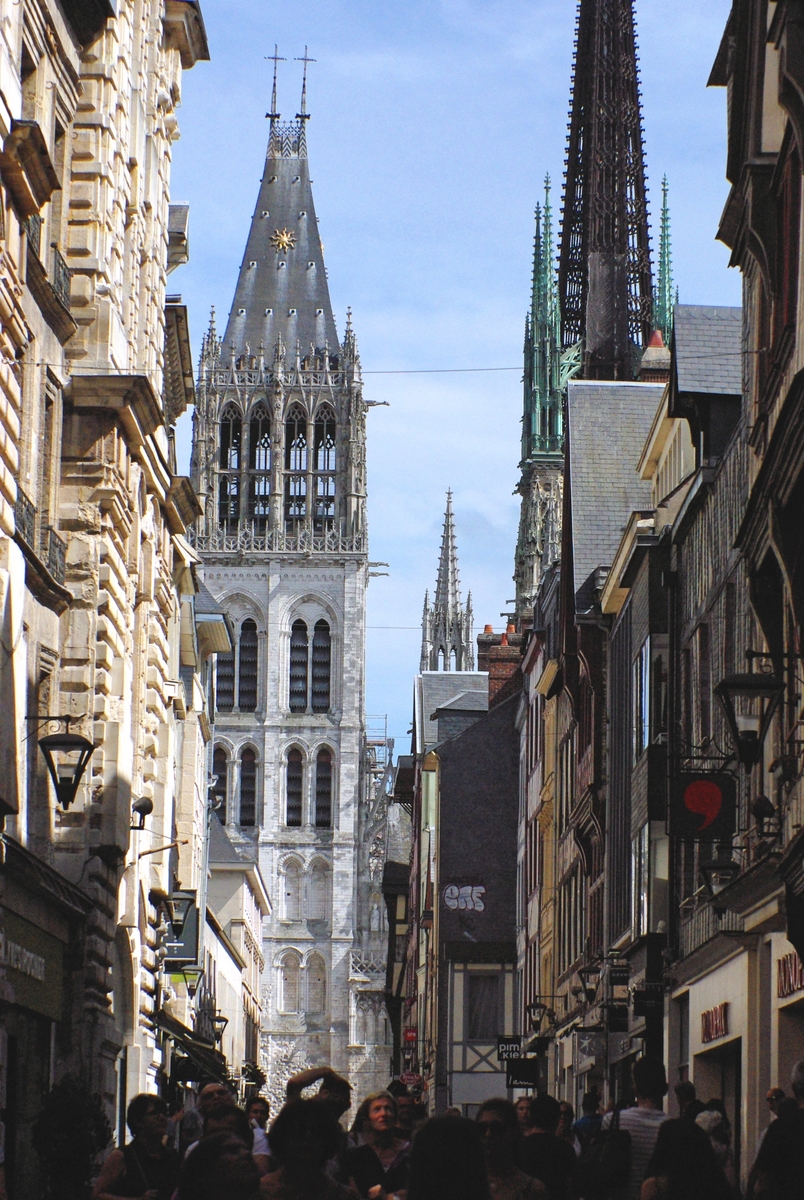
{"x":534,"y":1150}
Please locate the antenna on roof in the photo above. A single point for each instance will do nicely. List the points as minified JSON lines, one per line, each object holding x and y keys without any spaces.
{"x":273,"y":115}
{"x":304,"y":115}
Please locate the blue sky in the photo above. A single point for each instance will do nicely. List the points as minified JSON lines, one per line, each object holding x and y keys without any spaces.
{"x":433,"y":124}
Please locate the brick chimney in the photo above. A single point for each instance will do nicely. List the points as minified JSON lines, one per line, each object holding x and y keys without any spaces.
{"x":503,"y":657}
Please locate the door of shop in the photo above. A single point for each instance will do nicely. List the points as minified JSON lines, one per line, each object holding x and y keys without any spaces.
{"x":718,"y":1075}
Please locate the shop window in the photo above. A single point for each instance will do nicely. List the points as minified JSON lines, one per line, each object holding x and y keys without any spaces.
{"x":298,"y":667}
{"x":316,"y":984}
{"x":323,"y":790}
{"x":247,"y":663}
{"x":289,"y":984}
{"x":220,"y":768}
{"x":293,"y":814}
{"x":248,"y":787}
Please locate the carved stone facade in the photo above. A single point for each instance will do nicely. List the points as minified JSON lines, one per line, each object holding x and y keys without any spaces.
{"x":279,"y":457}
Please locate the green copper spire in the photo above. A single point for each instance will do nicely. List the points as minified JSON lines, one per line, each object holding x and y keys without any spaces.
{"x":542,"y":428}
{"x":664,"y":295}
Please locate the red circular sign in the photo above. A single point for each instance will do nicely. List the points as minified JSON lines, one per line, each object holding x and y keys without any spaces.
{"x":705,"y":799}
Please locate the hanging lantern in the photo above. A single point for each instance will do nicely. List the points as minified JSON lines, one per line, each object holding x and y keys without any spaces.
{"x":748,"y":730}
{"x":66,"y":755}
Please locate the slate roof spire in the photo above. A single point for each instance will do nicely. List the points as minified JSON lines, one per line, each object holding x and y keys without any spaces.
{"x":605,"y":282}
{"x":447,"y":625}
{"x":282,"y":290}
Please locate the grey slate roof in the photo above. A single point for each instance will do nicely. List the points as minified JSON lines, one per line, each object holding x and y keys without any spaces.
{"x":205,"y":603}
{"x":285,"y":293}
{"x":465,"y":702}
{"x":708,"y":349}
{"x":606,"y":431}
{"x":433,"y":690}
{"x":221,"y":849}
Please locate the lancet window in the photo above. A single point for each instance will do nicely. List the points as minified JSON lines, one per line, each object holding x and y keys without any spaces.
{"x":325,"y":431}
{"x":323,"y":790}
{"x":248,"y":787}
{"x":247,"y":667}
{"x":290,"y":980}
{"x":295,"y":465}
{"x":322,"y":667}
{"x":310,"y":673}
{"x":292,"y":892}
{"x":259,"y":466}
{"x":220,"y":789}
{"x":230,"y":443}
{"x":316,"y":984}
{"x":298,"y":667}
{"x":293,"y":789}
{"x":224,"y":681}
{"x":318,"y":892}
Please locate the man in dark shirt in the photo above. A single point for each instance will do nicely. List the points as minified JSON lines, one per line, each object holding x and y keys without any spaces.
{"x":778,"y":1173}
{"x":543,"y":1155}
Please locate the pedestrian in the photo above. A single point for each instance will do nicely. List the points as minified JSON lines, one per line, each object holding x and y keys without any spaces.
{"x":778,"y":1171}
{"x":221,"y":1167}
{"x":447,"y":1163}
{"x":587,"y":1127}
{"x":228,"y":1118}
{"x":775,"y":1098}
{"x":565,"y":1124}
{"x":545,"y":1156}
{"x":258,"y":1110}
{"x":718,"y":1130}
{"x":145,"y":1168}
{"x":523,"y":1116}
{"x":642,"y":1122}
{"x":683,"y":1166}
{"x":303,"y":1138}
{"x":498,"y":1123}
{"x":382,"y":1161}
{"x":334,"y":1090}
{"x":191,"y":1125}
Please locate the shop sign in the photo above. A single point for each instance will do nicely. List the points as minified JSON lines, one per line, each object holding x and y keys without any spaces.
{"x":184,"y":950}
{"x":789,"y":975}
{"x":508,"y":1047}
{"x":523,"y":1072}
{"x":587,"y":1049}
{"x":619,"y":1047}
{"x":32,"y":966}
{"x":715,"y":1023}
{"x":703,"y":805}
{"x":410,"y":1035}
{"x":410,"y":1079}
{"x":648,"y":999}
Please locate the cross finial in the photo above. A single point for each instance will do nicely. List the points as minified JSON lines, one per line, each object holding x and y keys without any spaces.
{"x":304,"y":115}
{"x":275,"y":58}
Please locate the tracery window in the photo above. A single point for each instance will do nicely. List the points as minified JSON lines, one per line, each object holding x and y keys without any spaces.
{"x":291,"y":897}
{"x":316,"y":984}
{"x":220,"y":767}
{"x":323,"y":790}
{"x":298,"y":667}
{"x":322,"y":664}
{"x":247,"y":667}
{"x":259,"y":465}
{"x":230,"y":442}
{"x":248,"y":787}
{"x":289,"y":984}
{"x":293,"y":799}
{"x":325,"y":431}
{"x":295,"y":465}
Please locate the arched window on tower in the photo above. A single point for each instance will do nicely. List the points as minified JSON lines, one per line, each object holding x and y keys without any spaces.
{"x":289,"y":984}
{"x":298,"y":667}
{"x":295,"y":465}
{"x":323,"y":790}
{"x":292,"y":890}
{"x":230,"y":441}
{"x":224,"y":681}
{"x":247,"y":664}
{"x":248,"y":787}
{"x":259,"y":466}
{"x":318,"y":906}
{"x":316,"y":985}
{"x":325,"y":431}
{"x":220,"y":788}
{"x":293,"y":805}
{"x":322,"y":661}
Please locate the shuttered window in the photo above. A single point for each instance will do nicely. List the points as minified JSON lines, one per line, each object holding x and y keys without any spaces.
{"x":247,"y":681}
{"x":322,"y":657}
{"x":298,"y":667}
{"x":323,"y":790}
{"x":293,"y":816}
{"x":224,"y":682}
{"x":248,"y":787}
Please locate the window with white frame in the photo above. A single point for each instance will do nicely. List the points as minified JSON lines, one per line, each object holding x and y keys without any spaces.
{"x":290,"y":983}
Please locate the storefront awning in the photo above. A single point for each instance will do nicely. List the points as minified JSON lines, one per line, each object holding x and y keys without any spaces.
{"x":207,"y":1062}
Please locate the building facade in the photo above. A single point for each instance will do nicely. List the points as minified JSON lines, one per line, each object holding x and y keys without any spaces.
{"x":279,"y":457}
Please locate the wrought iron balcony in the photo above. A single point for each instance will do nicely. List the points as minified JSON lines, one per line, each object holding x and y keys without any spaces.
{"x":60,"y":281}
{"x":53,"y":552}
{"x":33,"y":227}
{"x":25,"y":519}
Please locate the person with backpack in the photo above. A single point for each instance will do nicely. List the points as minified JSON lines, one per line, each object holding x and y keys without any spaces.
{"x":641,"y":1123}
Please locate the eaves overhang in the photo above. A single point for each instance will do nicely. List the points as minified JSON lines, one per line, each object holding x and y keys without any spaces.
{"x":26,"y":168}
{"x":185,"y":31}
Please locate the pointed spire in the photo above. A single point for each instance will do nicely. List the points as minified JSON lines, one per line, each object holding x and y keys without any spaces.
{"x":448,"y":592}
{"x":663,"y":298}
{"x":304,"y":115}
{"x":447,"y":625}
{"x":276,"y":58}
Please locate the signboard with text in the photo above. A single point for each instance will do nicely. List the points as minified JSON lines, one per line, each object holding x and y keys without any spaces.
{"x":508,"y":1047}
{"x":31,"y":967}
{"x":523,"y":1072}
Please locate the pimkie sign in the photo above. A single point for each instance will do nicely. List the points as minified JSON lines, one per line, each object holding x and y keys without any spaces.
{"x":789,"y":975}
{"x":715,"y":1023}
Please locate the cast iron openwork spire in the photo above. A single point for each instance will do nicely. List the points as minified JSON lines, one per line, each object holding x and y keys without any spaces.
{"x":605,"y":282}
{"x":664,"y":299}
{"x":447,"y":625}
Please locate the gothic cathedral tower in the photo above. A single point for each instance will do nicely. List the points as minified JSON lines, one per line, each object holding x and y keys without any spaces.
{"x":279,"y":461}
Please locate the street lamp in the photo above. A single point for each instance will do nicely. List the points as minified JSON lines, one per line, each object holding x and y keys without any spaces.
{"x":192,"y":974}
{"x":717,"y":874}
{"x":748,"y":729}
{"x":590,"y":977}
{"x":66,"y":755}
{"x":177,"y":905}
{"x":219,"y":1023}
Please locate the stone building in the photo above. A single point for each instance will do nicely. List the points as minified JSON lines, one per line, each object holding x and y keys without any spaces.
{"x":279,"y":460}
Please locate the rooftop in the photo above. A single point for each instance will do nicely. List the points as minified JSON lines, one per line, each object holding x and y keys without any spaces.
{"x":708,"y":343}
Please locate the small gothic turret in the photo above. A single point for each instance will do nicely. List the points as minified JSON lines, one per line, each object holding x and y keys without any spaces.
{"x":447,"y":625}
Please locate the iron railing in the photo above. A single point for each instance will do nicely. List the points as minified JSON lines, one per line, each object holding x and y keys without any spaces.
{"x":33,"y":227}
{"x":61,"y":279}
{"x":277,"y":541}
{"x":25,"y":519}
{"x":53,"y":552}
{"x":704,"y":924}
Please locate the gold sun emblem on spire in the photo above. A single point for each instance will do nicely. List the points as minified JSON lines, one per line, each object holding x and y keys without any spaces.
{"x":283,"y":239}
